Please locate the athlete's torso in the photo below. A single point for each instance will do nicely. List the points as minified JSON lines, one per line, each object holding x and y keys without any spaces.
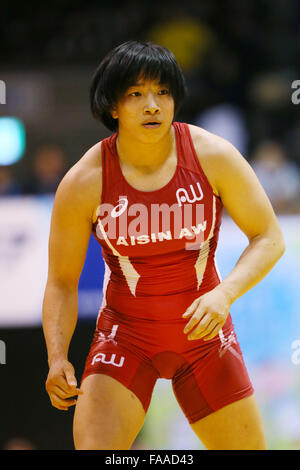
{"x":158,"y":246}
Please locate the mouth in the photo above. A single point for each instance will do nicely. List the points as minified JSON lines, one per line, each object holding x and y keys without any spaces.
{"x":151,"y":125}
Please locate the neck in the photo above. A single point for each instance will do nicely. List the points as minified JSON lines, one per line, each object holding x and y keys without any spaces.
{"x":145,"y":157}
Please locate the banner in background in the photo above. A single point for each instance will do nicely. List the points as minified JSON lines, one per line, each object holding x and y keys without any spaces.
{"x":24,"y":235}
{"x":24,"y":232}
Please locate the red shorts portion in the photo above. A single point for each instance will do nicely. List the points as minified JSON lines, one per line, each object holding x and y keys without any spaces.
{"x":206,"y":375}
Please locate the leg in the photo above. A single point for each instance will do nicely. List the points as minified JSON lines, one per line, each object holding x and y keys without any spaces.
{"x":217,"y":397}
{"x":237,"y":426}
{"x":108,"y":416}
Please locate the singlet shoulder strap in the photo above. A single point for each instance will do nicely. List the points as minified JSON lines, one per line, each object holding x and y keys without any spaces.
{"x":185,"y":148}
{"x":188,"y":157}
{"x":109,"y":164}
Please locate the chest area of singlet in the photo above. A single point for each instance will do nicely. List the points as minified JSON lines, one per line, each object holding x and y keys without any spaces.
{"x":180,"y":215}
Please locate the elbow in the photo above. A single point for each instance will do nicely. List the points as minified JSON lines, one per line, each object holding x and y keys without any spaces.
{"x":278,"y":244}
{"x":281,"y":246}
{"x":274,"y":243}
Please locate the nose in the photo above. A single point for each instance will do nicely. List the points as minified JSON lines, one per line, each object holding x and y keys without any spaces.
{"x":151,"y":106}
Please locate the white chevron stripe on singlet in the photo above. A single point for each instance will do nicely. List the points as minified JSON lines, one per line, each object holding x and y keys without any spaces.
{"x":201,"y":262}
{"x":221,"y":334}
{"x":130,"y":274}
{"x":106,"y":280}
{"x":200,"y":266}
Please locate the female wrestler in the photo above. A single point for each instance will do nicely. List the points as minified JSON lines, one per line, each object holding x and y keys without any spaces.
{"x":152,"y":195}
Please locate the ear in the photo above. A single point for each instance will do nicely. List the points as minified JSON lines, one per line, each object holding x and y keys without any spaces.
{"x":114,"y":112}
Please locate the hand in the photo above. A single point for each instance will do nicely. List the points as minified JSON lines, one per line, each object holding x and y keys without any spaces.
{"x":61,"y":384}
{"x":209,"y":312}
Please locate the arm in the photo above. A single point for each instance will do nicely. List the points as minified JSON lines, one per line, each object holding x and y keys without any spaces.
{"x":249,"y":207}
{"x":70,"y":231}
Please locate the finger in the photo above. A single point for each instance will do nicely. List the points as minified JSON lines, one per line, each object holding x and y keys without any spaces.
{"x":67,"y":381}
{"x":61,"y":403}
{"x":62,"y":393}
{"x":59,"y":406}
{"x":196,"y":318}
{"x":60,"y":386}
{"x":190,"y":310}
{"x":201,"y":327}
{"x":70,"y":377}
{"x":59,"y":381}
{"x":209,"y":328}
{"x":213,"y":333}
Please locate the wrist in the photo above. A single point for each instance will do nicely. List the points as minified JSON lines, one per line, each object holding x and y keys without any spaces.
{"x":57,"y":358}
{"x":227,"y":291}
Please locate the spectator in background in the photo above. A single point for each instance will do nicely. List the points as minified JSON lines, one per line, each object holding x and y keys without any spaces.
{"x":189,"y":39}
{"x":192,"y":41}
{"x":49,"y":167}
{"x":279,"y":176}
{"x":19,"y":443}
{"x":227,"y":121}
{"x":8,"y":185}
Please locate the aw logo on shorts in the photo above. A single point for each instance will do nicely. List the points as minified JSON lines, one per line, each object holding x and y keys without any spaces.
{"x":120,"y":208}
{"x":101,"y":357}
{"x":185,"y":197}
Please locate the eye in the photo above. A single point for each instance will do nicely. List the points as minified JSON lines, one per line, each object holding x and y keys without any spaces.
{"x":164,"y":91}
{"x":135,"y":93}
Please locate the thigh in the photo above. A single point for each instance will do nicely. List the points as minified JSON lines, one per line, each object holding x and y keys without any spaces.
{"x":107,"y":415}
{"x":237,"y":426}
{"x":214,"y":376}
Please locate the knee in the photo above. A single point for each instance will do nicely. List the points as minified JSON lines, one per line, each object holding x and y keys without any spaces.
{"x":89,"y":444}
{"x":100,"y":442}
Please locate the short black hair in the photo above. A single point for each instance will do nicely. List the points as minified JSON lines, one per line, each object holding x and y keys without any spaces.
{"x":121,"y":68}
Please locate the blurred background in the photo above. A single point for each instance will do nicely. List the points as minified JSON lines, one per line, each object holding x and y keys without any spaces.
{"x":241,"y":61}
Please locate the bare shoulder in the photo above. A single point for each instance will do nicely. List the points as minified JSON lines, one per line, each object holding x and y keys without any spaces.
{"x":207,"y":142}
{"x":81,"y":186}
{"x":235,"y":181}
{"x":216,"y":155}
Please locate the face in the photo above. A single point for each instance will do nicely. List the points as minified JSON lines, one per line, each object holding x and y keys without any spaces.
{"x":145,"y":111}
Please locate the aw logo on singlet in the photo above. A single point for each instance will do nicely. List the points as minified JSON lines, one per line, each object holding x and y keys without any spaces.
{"x":185,"y":197}
{"x":120,"y":208}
